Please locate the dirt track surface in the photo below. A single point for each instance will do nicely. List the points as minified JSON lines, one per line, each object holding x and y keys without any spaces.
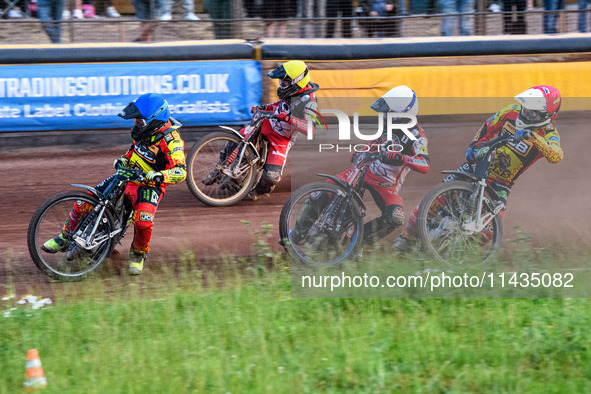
{"x":548,"y":202}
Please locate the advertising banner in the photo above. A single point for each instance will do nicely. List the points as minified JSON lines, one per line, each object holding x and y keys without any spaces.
{"x":89,"y":96}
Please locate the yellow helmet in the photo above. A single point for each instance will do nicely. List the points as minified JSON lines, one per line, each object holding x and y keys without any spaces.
{"x":293,"y":76}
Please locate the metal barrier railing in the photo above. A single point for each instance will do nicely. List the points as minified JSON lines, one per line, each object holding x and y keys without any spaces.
{"x":126,"y":29}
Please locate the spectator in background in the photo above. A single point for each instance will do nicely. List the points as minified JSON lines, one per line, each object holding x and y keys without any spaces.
{"x":511,"y":26}
{"x":220,"y":9}
{"x":252,"y":7}
{"x":188,"y":6}
{"x":148,"y":12}
{"x":277,"y":9}
{"x":403,"y":8}
{"x":333,"y":9}
{"x":106,"y":8}
{"x":381,"y":8}
{"x":18,"y":11}
{"x":456,"y":7}
{"x":310,"y":9}
{"x":551,"y":17}
{"x":77,"y":12}
{"x":582,"y":16}
{"x":50,"y":13}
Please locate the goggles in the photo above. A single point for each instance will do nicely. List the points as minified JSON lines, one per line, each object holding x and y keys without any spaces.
{"x":531,"y":116}
{"x":285,"y":82}
{"x":139,"y":122}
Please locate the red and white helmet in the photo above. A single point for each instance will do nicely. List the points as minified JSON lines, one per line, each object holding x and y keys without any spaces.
{"x":539,"y":106}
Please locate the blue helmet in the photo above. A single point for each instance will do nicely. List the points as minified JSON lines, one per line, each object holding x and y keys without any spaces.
{"x":152,"y":108}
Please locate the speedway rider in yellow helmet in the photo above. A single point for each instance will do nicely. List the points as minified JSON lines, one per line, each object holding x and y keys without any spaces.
{"x":296,"y":97}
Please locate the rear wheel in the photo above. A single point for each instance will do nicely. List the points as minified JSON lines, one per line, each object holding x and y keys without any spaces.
{"x":211,"y":179}
{"x":439,"y":226}
{"x":72,"y":262}
{"x":314,"y":228}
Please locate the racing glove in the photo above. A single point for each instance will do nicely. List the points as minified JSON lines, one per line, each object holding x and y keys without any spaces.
{"x":283,"y":117}
{"x":521,"y":135}
{"x":471,"y":154}
{"x":122,"y":161}
{"x":261,"y":107}
{"x":359,"y":158}
{"x":394,"y":158}
{"x":154,"y":176}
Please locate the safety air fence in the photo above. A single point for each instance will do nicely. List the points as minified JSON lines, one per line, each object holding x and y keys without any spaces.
{"x":84,"y":86}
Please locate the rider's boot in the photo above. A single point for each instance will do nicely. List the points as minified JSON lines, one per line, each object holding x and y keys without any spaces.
{"x":56,"y":244}
{"x":405,"y":243}
{"x":136,"y":262}
{"x":255,"y":196}
{"x":375,"y":230}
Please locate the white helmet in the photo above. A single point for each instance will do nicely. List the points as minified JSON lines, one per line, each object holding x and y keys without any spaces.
{"x":400,"y":99}
{"x":539,"y":106}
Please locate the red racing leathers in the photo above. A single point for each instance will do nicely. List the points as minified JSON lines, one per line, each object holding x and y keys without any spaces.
{"x":512,"y":158}
{"x":384,"y":177}
{"x":164,"y":153}
{"x":281,"y":134}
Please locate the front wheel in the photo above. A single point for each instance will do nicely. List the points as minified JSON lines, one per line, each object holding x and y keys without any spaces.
{"x":71,"y":262}
{"x":439,"y":226}
{"x":319,"y":226}
{"x":210,"y":177}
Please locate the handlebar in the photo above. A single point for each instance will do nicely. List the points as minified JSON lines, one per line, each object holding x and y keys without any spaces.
{"x":504,"y":138}
{"x":365,"y":159}
{"x":259,"y":114}
{"x":134,"y":174}
{"x":486,"y":150}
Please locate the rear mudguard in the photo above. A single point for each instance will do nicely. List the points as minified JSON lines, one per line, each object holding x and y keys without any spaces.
{"x":346,"y":186}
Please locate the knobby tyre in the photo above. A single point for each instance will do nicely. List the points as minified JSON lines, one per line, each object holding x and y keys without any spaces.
{"x":439,"y":221}
{"x":301,"y":234}
{"x":72,"y":263}
{"x":207,"y":173}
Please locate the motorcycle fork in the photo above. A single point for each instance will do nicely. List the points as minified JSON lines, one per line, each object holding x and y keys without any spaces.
{"x":97,"y":212}
{"x":335,"y":211}
{"x":477,"y":222}
{"x":125,"y":216}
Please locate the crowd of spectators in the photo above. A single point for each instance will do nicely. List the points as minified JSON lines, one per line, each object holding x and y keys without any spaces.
{"x":318,"y":18}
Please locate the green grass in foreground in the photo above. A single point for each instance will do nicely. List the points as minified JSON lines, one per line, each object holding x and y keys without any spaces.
{"x":251,"y":337}
{"x":166,"y":332}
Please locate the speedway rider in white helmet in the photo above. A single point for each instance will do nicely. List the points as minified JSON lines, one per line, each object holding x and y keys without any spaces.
{"x":391,"y":160}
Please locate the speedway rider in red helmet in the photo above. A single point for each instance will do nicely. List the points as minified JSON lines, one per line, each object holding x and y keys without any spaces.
{"x":538,"y":107}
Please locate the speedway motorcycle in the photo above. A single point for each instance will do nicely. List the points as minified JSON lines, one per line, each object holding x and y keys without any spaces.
{"x":458,"y":222}
{"x":91,"y":243}
{"x":321,"y":224}
{"x":224,"y":166}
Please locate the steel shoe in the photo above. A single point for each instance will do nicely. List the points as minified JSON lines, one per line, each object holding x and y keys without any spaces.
{"x":404,"y":244}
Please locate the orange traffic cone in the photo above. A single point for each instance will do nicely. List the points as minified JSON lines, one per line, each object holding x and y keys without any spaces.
{"x":34,"y":377}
